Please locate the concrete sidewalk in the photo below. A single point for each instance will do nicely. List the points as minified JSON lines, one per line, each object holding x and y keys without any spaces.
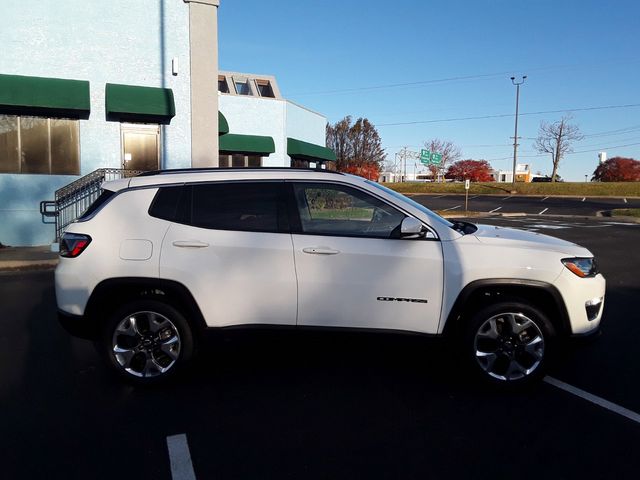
{"x":27,"y":258}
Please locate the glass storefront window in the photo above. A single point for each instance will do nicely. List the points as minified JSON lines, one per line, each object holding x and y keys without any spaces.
{"x":39,"y":145}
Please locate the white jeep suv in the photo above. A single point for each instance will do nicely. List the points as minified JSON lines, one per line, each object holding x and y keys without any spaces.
{"x":159,"y":258}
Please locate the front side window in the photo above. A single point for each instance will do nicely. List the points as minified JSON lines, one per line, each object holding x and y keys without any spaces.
{"x":327,"y":209}
{"x":39,"y":145}
{"x":253,"y":207}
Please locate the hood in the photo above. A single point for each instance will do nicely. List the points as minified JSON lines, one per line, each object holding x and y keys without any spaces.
{"x":512,"y":237}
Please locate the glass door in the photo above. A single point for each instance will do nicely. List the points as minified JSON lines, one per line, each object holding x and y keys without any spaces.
{"x":140,"y":147}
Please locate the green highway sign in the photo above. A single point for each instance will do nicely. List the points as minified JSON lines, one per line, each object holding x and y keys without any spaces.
{"x":428,"y":157}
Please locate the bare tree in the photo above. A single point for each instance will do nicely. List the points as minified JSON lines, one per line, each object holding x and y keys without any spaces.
{"x":556,"y":139}
{"x":450,"y":153}
{"x":338,"y":139}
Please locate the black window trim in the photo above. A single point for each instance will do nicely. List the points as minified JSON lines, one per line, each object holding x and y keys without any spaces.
{"x":296,"y":223}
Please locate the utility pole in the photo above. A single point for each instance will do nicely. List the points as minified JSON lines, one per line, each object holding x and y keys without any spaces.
{"x":402,"y":156}
{"x":404,"y":164}
{"x":515,"y":135}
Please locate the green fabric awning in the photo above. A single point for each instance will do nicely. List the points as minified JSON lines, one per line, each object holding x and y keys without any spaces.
{"x":297,"y":149}
{"x":223,"y":126}
{"x":44,"y":96}
{"x":139,"y":104}
{"x":247,"y":144}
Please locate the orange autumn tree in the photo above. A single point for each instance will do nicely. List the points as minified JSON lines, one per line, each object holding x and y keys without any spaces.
{"x":357,"y":146}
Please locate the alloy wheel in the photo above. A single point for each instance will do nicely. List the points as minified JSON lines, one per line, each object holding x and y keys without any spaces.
{"x":146,"y":344}
{"x":509,"y":346}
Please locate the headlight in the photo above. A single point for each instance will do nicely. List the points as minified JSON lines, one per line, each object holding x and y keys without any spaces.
{"x":582,"y":267}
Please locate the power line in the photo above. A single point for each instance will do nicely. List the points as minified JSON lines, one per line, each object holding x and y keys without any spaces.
{"x":505,"y":115}
{"x":407,"y":84}
{"x":461,"y":77}
{"x":571,"y":153}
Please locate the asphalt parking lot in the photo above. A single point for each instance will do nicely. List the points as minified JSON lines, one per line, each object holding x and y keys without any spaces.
{"x":544,"y":205}
{"x":323,"y":405}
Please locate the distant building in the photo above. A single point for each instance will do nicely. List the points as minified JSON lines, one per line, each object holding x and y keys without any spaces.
{"x":523,"y":174}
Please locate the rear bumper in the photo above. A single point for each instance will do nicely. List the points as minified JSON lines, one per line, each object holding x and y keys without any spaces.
{"x":78,"y":325}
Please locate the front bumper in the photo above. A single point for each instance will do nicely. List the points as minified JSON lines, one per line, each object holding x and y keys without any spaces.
{"x":577,"y":293}
{"x":78,"y":325}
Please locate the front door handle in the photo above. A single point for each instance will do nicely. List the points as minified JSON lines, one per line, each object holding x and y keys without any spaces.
{"x":320,"y":251}
{"x":190,"y":244}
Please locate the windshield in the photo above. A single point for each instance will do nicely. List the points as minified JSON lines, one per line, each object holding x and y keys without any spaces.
{"x":413,"y":203}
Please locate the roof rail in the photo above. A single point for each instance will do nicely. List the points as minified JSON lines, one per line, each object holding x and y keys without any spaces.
{"x":231,"y":169}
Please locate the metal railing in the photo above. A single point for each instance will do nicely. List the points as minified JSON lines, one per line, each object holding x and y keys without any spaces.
{"x":72,"y":200}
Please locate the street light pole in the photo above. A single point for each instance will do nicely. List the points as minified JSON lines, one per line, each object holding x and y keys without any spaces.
{"x":515,"y":135}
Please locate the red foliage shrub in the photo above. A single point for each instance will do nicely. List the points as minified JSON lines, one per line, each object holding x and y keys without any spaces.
{"x":474,"y":170}
{"x":370,"y":171}
{"x":618,"y":169}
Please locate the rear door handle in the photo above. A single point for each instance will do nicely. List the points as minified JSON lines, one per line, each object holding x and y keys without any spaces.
{"x":190,"y":244}
{"x":320,"y":251}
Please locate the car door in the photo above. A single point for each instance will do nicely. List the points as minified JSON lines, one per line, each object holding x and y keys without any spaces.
{"x":354,"y":269}
{"x":231,"y":247}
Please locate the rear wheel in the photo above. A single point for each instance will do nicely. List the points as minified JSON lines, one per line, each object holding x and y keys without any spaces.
{"x":509,"y":343}
{"x":146,"y":341}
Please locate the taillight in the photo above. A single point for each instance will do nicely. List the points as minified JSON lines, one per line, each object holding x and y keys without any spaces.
{"x":73,"y":244}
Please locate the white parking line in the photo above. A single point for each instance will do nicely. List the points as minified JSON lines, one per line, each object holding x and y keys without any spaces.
{"x":473,"y":197}
{"x":544,"y":199}
{"x":495,"y":210}
{"x":625,"y":200}
{"x":507,"y":198}
{"x":440,"y":196}
{"x":584,"y":198}
{"x":452,"y":208}
{"x":593,"y":399}
{"x":180,"y":458}
{"x":543,"y":211}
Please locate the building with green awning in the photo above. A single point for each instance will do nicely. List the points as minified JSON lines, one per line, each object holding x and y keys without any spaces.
{"x":266,"y":129}
{"x":123,"y":107}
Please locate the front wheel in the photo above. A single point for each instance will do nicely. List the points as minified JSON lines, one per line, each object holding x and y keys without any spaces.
{"x":509,"y":343}
{"x":146,"y":341}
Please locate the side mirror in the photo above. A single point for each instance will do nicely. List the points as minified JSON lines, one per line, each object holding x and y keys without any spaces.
{"x":410,"y":227}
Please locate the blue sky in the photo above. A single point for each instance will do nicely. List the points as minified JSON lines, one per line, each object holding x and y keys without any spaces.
{"x":339,"y":57}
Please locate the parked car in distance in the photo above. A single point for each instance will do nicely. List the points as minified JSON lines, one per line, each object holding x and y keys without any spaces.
{"x":160,"y":258}
{"x":540,"y":179}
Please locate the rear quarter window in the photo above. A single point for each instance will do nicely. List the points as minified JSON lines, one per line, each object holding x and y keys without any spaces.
{"x":102,"y":199}
{"x":165,"y":203}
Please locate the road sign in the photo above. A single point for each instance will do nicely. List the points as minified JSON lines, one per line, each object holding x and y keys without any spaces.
{"x":467,"y":184}
{"x":425,"y":156}
{"x":436,"y":158}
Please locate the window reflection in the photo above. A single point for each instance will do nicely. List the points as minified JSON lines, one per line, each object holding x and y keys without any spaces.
{"x":39,"y":145}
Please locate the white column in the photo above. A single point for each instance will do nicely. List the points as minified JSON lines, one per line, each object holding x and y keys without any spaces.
{"x":203,"y":47}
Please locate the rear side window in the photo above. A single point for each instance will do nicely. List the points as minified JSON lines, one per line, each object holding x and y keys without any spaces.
{"x":246,"y":206}
{"x":95,"y":206}
{"x":165,"y":203}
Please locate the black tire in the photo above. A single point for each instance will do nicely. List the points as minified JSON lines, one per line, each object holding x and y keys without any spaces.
{"x":150,"y":353}
{"x":521,"y":349}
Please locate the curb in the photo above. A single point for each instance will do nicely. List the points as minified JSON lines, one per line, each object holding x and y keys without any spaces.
{"x":26,"y":265}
